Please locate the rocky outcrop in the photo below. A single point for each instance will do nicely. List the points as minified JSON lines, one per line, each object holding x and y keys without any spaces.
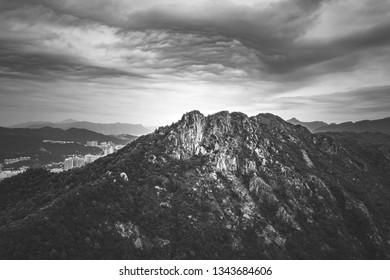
{"x":272,"y":167}
{"x":219,"y":186}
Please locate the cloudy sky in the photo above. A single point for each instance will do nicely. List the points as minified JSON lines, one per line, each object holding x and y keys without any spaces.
{"x":149,"y":61}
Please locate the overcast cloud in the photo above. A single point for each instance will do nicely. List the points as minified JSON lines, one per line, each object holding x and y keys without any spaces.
{"x":151,"y":61}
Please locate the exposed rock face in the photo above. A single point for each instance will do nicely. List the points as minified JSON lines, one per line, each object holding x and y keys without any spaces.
{"x":189,"y":133}
{"x":233,"y":186}
{"x":248,"y":151}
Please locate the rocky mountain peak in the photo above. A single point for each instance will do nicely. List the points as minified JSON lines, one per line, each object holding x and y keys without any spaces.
{"x":271,"y":120}
{"x":219,"y":133}
{"x":219,"y":186}
{"x":192,"y":117}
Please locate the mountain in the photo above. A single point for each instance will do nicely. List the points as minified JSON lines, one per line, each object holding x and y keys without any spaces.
{"x":28,"y":124}
{"x":225,"y":186}
{"x":381,"y":125}
{"x":71,"y":134}
{"x":67,"y":121}
{"x":309,"y":125}
{"x":103,"y":128}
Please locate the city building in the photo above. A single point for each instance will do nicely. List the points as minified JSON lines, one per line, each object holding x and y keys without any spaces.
{"x":107,"y":148}
{"x":74,"y":162}
{"x":111,"y":150}
{"x":78,"y":162}
{"x":58,"y":142}
{"x":56,"y":170}
{"x":68,"y":164}
{"x":15,"y":160}
{"x":90,"y":158}
{"x":6,"y":174}
{"x":118,"y":147}
{"x":92,"y":143}
{"x":9,"y":173}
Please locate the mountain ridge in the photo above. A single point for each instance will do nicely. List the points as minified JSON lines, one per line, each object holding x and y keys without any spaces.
{"x":309,"y":125}
{"x":219,"y":186}
{"x":70,"y":134}
{"x":103,"y":128}
{"x":379,"y":125}
{"x":29,"y":142}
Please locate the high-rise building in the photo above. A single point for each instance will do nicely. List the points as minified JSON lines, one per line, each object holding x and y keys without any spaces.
{"x":92,"y":143}
{"x":90,"y":158}
{"x":68,"y":164}
{"x":8,"y":174}
{"x":78,"y":162}
{"x":73,"y":162}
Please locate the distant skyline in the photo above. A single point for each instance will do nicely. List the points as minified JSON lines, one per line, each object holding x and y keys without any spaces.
{"x":149,"y":62}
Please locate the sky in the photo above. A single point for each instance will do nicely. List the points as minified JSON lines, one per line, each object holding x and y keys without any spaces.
{"x":149,"y":62}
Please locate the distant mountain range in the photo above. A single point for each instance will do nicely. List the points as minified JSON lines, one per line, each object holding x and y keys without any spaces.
{"x":381,"y":125}
{"x":104,"y":128}
{"x":309,"y":125}
{"x":71,"y":134}
{"x":15,"y":142}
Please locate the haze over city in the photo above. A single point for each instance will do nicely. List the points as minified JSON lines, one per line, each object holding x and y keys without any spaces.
{"x":151,"y":61}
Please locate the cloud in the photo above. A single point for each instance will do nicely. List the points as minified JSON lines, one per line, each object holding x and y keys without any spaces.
{"x":42,"y":35}
{"x":260,"y":28}
{"x":370,"y":102}
{"x":310,"y":53}
{"x":272,"y":29}
{"x":48,"y":67}
{"x":259,"y":25}
{"x":255,"y":55}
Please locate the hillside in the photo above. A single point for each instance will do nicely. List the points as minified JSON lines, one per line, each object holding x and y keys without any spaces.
{"x":381,"y":125}
{"x":225,"y":186}
{"x":16,"y":142}
{"x":71,"y":134}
